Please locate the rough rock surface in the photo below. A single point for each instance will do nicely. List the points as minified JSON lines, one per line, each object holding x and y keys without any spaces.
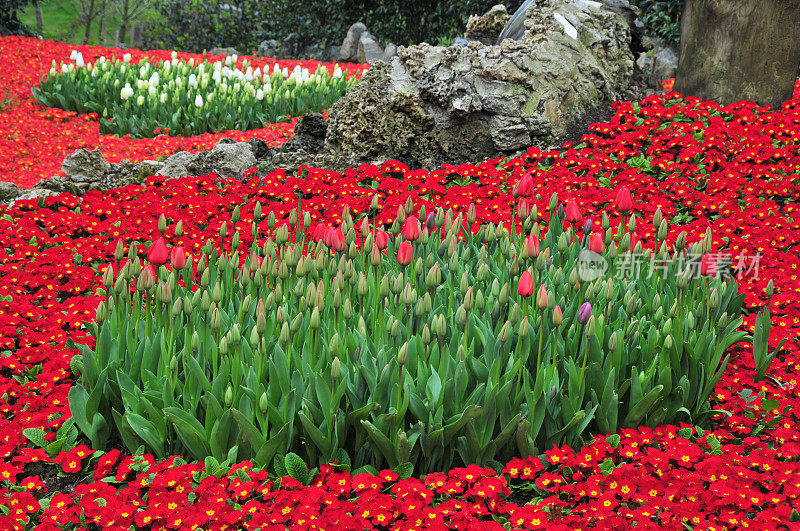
{"x":85,"y":166}
{"x":661,"y":62}
{"x":487,"y":27}
{"x":88,"y":170}
{"x":349,"y":49}
{"x":369,"y":50}
{"x":461,"y":103}
{"x":223,"y":51}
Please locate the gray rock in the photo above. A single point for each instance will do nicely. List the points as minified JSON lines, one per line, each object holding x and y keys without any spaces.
{"x":126,"y":173}
{"x":227,"y":159}
{"x":369,"y":51}
{"x":349,"y":48}
{"x":32,"y":194}
{"x":85,"y":166}
{"x":309,"y":135}
{"x":261,"y":151}
{"x":487,"y":27}
{"x":389,"y":52}
{"x":62,"y":185}
{"x":9,"y":192}
{"x":223,"y":51}
{"x":175,"y":166}
{"x":460,"y":41}
{"x":434,"y":104}
{"x":660,"y":63}
{"x":268,"y":48}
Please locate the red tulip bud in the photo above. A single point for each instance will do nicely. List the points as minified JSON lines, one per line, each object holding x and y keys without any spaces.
{"x":532,"y":246}
{"x":624,"y":201}
{"x":381,"y":239}
{"x":596,"y":243}
{"x":411,"y":229}
{"x":337,"y":240}
{"x":524,"y":187}
{"x":177,"y":258}
{"x":573,"y":211}
{"x":541,"y":298}
{"x":405,"y":253}
{"x":158,"y":254}
{"x":525,"y":286}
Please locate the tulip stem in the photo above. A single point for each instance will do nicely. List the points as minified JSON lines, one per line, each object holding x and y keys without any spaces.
{"x":585,"y":355}
{"x":541,"y":337}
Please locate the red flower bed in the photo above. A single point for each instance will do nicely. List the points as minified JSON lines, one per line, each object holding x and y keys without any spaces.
{"x":735,"y":169}
{"x":34,"y":139}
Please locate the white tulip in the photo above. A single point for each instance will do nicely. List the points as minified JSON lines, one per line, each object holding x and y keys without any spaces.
{"x":64,"y":69}
{"x":163,"y":97}
{"x":126,"y":58}
{"x":198,"y":101}
{"x":259,"y":94}
{"x":192,"y":81}
{"x":140,"y":101}
{"x":126,"y":92}
{"x":53,"y":71}
{"x":174,"y":54}
{"x":73,"y":55}
{"x":79,"y":60}
{"x":152,"y":92}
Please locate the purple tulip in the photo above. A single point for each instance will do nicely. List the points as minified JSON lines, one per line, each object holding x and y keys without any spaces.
{"x":587,"y":227}
{"x":585,"y":313}
{"x":430,"y":222}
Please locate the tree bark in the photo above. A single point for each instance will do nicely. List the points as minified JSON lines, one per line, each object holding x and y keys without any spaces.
{"x":89,"y":15}
{"x":123,"y":26}
{"x":38,"y":9}
{"x":733,"y":50}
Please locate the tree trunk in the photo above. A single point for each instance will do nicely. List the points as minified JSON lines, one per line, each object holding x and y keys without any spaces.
{"x":123,"y":26}
{"x":733,"y":50}
{"x":38,"y":9}
{"x":88,"y":19}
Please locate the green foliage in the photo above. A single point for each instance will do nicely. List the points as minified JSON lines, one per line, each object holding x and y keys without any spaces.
{"x":186,"y":99}
{"x":347,"y":356}
{"x":326,"y":21}
{"x":661,"y":18}
{"x":9,"y":17}
{"x":201,"y":25}
{"x":185,"y":25}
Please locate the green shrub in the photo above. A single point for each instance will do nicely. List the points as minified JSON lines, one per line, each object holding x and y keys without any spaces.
{"x":193,"y":25}
{"x":661,"y":18}
{"x":326,"y":21}
{"x":9,"y":19}
{"x":185,"y":25}
{"x":346,"y":354}
{"x":184,"y":98}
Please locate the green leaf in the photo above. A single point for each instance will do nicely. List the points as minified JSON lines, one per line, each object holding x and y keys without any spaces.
{"x":613,"y":440}
{"x":297,"y":468}
{"x":403,"y":470}
{"x":36,"y":436}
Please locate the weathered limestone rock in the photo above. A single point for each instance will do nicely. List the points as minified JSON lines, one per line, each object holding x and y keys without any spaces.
{"x":487,"y":27}
{"x":85,"y":166}
{"x":9,"y":192}
{"x":227,"y":159}
{"x":175,"y":166}
{"x":460,"y":103}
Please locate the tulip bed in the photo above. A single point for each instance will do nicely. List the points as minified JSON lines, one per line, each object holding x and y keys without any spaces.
{"x":735,"y":168}
{"x":34,"y":139}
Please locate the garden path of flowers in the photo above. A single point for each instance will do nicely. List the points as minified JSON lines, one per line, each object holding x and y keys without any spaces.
{"x":736,"y":169}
